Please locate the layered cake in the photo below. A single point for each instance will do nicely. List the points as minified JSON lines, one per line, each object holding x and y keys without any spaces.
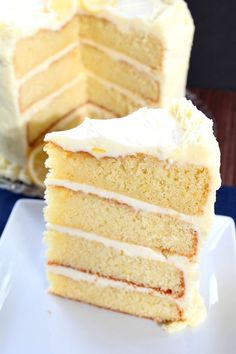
{"x":63,"y":60}
{"x":130,"y":202}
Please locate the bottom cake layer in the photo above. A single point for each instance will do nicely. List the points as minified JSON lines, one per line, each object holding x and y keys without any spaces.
{"x":113,"y":295}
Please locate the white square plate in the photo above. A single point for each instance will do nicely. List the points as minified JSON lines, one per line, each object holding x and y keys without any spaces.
{"x":35,"y":322}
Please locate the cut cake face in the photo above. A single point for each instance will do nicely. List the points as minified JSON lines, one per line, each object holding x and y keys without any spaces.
{"x":130,"y":202}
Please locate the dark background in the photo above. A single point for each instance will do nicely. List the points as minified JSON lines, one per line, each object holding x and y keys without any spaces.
{"x":213,"y":60}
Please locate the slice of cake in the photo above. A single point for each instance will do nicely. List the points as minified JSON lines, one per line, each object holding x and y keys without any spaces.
{"x":129,"y":204}
{"x":82,"y":59}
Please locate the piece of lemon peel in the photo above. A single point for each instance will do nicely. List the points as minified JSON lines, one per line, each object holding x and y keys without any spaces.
{"x":35,"y":165}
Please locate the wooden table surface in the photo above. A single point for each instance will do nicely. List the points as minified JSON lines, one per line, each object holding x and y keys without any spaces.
{"x":221,"y":106}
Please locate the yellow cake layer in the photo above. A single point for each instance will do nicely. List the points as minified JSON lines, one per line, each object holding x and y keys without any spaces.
{"x":120,"y":73}
{"x":43,"y":45}
{"x":79,"y":253}
{"x":60,"y":106}
{"x":181,"y":187}
{"x":44,"y":83}
{"x":143,"y":47}
{"x":134,"y":303}
{"x":110,"y":98}
{"x":113,"y":220}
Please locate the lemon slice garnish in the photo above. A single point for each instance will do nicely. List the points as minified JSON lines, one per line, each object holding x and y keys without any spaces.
{"x":95,"y":5}
{"x":36,"y":165}
{"x":62,"y":8}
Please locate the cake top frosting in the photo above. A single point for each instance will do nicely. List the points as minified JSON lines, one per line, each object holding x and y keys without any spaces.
{"x":180,"y":133}
{"x":28,"y":16}
{"x":147,"y":15}
{"x":146,"y":9}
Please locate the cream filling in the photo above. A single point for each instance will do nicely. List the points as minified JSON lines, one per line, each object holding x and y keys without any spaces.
{"x":77,"y":275}
{"x":39,"y":105}
{"x":118,"y":56}
{"x":130,"y":250}
{"x":46,"y":64}
{"x":120,"y":198}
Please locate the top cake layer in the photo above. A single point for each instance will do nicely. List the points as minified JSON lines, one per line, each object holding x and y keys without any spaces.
{"x":181,"y":133}
{"x":142,"y":14}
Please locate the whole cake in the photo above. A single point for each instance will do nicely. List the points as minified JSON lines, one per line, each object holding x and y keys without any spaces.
{"x":62,"y":60}
{"x":129,"y":203}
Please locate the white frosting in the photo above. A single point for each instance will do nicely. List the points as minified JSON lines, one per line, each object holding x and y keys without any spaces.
{"x":19,"y":19}
{"x":26,"y":17}
{"x":13,"y":172}
{"x":10,"y":129}
{"x":142,"y":14}
{"x":181,"y":133}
